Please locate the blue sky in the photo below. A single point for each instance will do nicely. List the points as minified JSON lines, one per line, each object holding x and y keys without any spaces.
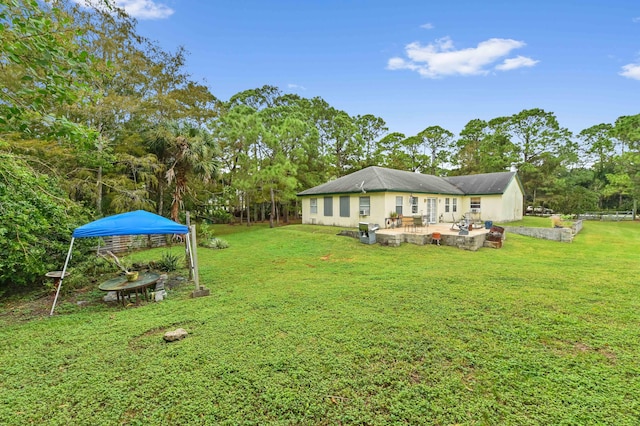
{"x":415,"y":63}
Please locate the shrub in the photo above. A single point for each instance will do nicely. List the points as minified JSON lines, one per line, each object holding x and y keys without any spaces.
{"x":205,"y":231}
{"x":215,"y":243}
{"x":36,"y":227}
{"x":221,"y":216}
{"x":168,"y":262}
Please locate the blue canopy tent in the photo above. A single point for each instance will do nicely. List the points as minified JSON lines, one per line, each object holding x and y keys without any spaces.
{"x":138,"y":222}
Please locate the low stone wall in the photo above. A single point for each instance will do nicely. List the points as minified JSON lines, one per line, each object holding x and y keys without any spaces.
{"x":389,"y":240}
{"x":418,"y":239}
{"x":464,"y":242}
{"x":564,"y":235}
{"x":577,"y":227}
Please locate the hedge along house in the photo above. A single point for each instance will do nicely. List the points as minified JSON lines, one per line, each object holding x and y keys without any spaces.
{"x":372,"y":194}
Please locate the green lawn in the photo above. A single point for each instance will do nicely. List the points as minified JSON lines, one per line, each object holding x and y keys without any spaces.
{"x":306,"y":327}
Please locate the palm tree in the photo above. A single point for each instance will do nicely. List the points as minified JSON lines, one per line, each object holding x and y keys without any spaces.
{"x":184,"y":149}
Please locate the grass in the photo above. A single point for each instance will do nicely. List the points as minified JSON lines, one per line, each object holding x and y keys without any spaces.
{"x":306,"y":327}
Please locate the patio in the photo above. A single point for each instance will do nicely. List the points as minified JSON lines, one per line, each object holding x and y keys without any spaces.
{"x":475,"y":238}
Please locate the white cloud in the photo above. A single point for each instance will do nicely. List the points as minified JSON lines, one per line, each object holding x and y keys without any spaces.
{"x":145,"y":9}
{"x":296,"y":87}
{"x":515,"y":63}
{"x":427,"y":26}
{"x":441,"y":59}
{"x":636,"y":19}
{"x":631,"y":71}
{"x":140,"y":9}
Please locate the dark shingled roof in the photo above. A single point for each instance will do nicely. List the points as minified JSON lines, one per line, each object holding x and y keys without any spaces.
{"x":380,"y":179}
{"x":482,"y":184}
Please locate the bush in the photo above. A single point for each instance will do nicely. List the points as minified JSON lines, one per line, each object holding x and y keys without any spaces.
{"x":215,"y":243}
{"x":168,"y":262}
{"x":37,"y":222}
{"x":221,"y":216}
{"x":205,"y":231}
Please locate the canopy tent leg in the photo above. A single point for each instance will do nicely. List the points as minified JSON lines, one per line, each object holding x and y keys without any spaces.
{"x":64,"y":270}
{"x":187,"y":253}
{"x":191,"y":243}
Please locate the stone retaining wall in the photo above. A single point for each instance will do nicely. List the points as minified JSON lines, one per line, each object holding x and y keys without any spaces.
{"x":464,"y":242}
{"x":564,"y":235}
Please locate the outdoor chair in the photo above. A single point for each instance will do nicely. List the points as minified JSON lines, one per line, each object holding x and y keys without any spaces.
{"x":419,"y":223}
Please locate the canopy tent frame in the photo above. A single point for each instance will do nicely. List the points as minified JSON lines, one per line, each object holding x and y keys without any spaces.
{"x":138,"y":222}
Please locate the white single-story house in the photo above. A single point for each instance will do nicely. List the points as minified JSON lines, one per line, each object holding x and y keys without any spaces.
{"x":373,"y":194}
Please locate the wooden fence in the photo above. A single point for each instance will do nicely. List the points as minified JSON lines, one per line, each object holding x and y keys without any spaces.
{"x":123,"y":243}
{"x":607,"y":216}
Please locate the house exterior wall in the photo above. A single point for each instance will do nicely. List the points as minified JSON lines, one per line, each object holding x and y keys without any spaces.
{"x":376,"y":214}
{"x":381,"y":205}
{"x":504,"y":207}
{"x":512,"y":201}
{"x":498,"y":208}
{"x":490,"y":207}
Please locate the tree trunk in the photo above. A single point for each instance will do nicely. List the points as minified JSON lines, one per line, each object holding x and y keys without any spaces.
{"x":533,"y":203}
{"x":180,"y":189}
{"x":160,"y":198}
{"x":273,"y":209}
{"x":248,"y":210}
{"x":99,"y":191}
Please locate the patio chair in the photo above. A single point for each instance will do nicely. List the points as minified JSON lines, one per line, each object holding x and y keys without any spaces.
{"x":419,"y":223}
{"x":462,"y":224}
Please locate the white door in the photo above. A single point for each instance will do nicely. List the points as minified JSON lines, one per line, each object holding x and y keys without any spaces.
{"x":431,"y":210}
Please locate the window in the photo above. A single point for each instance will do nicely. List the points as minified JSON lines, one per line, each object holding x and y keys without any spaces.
{"x":365,"y":206}
{"x":344,"y":206}
{"x":314,"y":205}
{"x":399,"y":205}
{"x":446,"y":205}
{"x":328,"y":206}
{"x":475,"y":204}
{"x":414,"y":204}
{"x":454,"y":207}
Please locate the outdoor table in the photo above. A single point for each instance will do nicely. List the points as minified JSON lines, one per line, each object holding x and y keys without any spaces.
{"x":122,"y":286}
{"x":57,"y":277}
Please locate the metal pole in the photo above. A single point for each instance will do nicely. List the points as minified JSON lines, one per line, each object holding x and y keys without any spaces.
{"x":194,"y":257}
{"x":64,"y":269}
{"x":187,"y":245}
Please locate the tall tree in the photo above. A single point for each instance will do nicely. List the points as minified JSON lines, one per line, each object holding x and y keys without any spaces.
{"x":536,"y":135}
{"x":468,"y":157}
{"x":625,"y":180}
{"x":484,"y":147}
{"x":189,"y":151}
{"x":369,"y":129}
{"x":413,"y":154}
{"x":598,"y":152}
{"x":43,"y":67}
{"x":437,"y":143}
{"x":390,"y":151}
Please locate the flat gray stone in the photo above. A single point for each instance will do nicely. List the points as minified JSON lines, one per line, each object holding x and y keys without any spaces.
{"x":111,"y":296}
{"x":160,"y":295}
{"x":178,"y":334}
